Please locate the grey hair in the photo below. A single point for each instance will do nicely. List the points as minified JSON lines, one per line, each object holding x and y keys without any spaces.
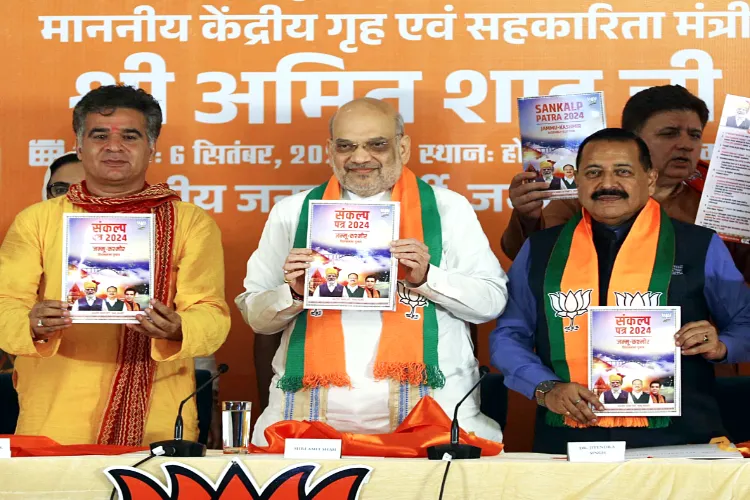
{"x":399,"y":124}
{"x":106,"y":99}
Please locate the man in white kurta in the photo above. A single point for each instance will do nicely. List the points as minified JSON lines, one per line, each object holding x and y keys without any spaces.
{"x":468,"y":287}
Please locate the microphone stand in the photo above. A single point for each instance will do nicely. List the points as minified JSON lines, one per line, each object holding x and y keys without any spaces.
{"x":179,"y":447}
{"x":455,"y":449}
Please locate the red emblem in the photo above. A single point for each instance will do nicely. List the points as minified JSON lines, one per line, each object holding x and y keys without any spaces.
{"x":236,"y":483}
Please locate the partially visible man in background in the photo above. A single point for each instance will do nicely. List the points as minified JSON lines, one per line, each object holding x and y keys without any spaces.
{"x":61,"y":174}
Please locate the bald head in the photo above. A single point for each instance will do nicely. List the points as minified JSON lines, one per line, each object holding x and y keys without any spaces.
{"x":368,"y":148}
{"x":368,"y":105}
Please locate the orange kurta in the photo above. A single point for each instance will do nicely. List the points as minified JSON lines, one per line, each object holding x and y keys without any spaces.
{"x":63,"y":385}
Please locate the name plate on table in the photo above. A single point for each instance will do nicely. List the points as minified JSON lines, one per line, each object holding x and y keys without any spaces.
{"x":316,"y":449}
{"x":597,"y":451}
{"x":5,"y":448}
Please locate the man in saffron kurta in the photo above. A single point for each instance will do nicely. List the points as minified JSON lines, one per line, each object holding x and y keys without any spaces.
{"x":353,"y":378}
{"x":67,"y":374}
{"x":621,"y":244}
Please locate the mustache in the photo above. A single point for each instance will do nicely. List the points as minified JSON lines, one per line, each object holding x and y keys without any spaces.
{"x":609,"y":192}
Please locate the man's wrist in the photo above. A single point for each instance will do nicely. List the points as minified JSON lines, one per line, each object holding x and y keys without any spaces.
{"x":424,"y":279}
{"x":296,"y":296}
{"x":175,"y":336}
{"x":410,"y":284}
{"x":529,"y":224}
{"x":723,"y":353}
{"x":38,"y":340}
{"x":541,"y":391}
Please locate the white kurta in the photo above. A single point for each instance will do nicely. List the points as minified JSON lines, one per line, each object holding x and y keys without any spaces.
{"x":469,"y":286}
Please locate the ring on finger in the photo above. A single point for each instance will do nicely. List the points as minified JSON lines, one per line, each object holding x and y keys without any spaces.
{"x":567,"y":413}
{"x":576,"y":401}
{"x":39,"y":323}
{"x":705,"y":338}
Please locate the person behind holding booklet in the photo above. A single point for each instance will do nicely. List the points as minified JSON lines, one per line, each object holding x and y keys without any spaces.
{"x":112,"y":383}
{"x":622,"y":242}
{"x":348,"y":368}
{"x":671,"y":121}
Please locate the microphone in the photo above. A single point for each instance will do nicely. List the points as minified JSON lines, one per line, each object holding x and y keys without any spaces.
{"x":178,"y":447}
{"x":454,"y":448}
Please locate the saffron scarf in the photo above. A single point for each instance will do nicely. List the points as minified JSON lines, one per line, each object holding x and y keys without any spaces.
{"x":643,"y":264}
{"x":124,"y":418}
{"x":408,"y":348}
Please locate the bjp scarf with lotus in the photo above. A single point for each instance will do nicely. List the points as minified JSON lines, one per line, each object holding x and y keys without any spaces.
{"x":408,"y":347}
{"x":640,"y":278}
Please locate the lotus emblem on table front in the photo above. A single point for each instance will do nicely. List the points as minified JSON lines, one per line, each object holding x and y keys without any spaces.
{"x":303,"y":481}
{"x":570,"y":305}
{"x":412,"y":299}
{"x":637,"y":299}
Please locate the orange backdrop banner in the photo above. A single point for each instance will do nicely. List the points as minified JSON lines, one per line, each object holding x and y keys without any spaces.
{"x":247,"y":88}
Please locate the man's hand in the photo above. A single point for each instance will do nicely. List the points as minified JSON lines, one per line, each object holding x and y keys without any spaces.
{"x":527,"y":196}
{"x":159,"y":322}
{"x":701,"y":337}
{"x":48,"y":317}
{"x":415,"y":256}
{"x":297,"y":262}
{"x":572,"y":401}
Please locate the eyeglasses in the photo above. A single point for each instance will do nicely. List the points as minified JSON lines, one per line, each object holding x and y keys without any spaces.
{"x":57,"y":189}
{"x":374,"y":146}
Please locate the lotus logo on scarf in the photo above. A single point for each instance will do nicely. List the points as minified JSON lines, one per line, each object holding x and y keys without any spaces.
{"x":412,"y":299}
{"x":236,"y":483}
{"x":647,"y":299}
{"x":570,"y":305}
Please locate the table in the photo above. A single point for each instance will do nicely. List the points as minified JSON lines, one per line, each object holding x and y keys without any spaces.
{"x":508,"y":476}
